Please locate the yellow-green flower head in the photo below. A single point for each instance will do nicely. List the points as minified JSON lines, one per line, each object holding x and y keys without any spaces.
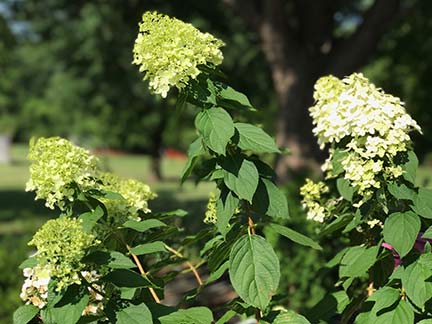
{"x":169,"y":51}
{"x":56,"y":166}
{"x":135,"y":193}
{"x":355,"y":108}
{"x":210,"y":214}
{"x":61,"y":244}
{"x":311,"y":193}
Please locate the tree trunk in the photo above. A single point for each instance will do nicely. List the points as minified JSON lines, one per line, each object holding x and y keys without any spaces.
{"x":294,"y":88}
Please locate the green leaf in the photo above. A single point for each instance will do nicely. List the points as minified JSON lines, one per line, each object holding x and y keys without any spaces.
{"x":241,"y":176}
{"x":216,"y":128}
{"x":225,"y":208}
{"x":270,"y":200}
{"x":427,"y":234}
{"x":330,"y":305}
{"x":400,"y":191}
{"x":144,"y":225}
{"x":345,"y":189}
{"x":201,"y":92}
{"x":90,"y":219}
{"x":252,"y":138}
{"x":69,"y":309}
{"x":425,"y":321}
{"x":254,"y":270}
{"x":401,"y":314}
{"x":230,"y":98}
{"x":410,"y":167}
{"x":226,"y":317}
{"x":195,"y":149}
{"x":29,"y":263}
{"x":215,"y":275}
{"x":127,"y":278}
{"x":295,"y":236}
{"x":337,"y":156}
{"x":134,"y":314}
{"x":148,"y":248}
{"x":357,"y":260}
{"x":25,"y":314}
{"x":290,"y":317}
{"x":384,"y":298}
{"x":416,"y":283}
{"x":112,"y":259}
{"x":401,"y":230}
{"x":193,"y":315}
{"x":423,"y":203}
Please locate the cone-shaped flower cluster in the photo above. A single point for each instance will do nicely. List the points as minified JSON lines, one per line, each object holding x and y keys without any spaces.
{"x":169,"y":51}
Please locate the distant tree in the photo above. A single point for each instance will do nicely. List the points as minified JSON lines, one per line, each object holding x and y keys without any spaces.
{"x":305,"y":39}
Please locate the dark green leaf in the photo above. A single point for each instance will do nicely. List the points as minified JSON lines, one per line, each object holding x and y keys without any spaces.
{"x":112,"y":259}
{"x":401,"y":314}
{"x":90,"y":219}
{"x":216,"y":128}
{"x":215,"y":275}
{"x":400,"y":191}
{"x":345,"y":189}
{"x":254,"y":139}
{"x":127,"y":278}
{"x":29,"y":263}
{"x":401,"y":230}
{"x":226,"y":317}
{"x":415,"y":281}
{"x":384,"y":298}
{"x":290,"y":317}
{"x":69,"y":309}
{"x":148,"y":248}
{"x":254,"y":270}
{"x":270,"y":200}
{"x":144,"y":225}
{"x":337,"y":167}
{"x":423,"y":203}
{"x":410,"y":167}
{"x":225,"y":208}
{"x":357,"y":260}
{"x":193,"y":315}
{"x":427,"y":234}
{"x":134,"y":314}
{"x":241,"y":176}
{"x":295,"y":236}
{"x":230,"y":98}
{"x":25,"y":314}
{"x":195,"y":149}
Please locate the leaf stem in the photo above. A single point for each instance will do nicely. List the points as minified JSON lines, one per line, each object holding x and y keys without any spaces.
{"x":143,"y":273}
{"x":190,"y":265}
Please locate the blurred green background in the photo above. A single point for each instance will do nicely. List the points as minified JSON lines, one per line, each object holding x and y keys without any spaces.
{"x":65,"y":70}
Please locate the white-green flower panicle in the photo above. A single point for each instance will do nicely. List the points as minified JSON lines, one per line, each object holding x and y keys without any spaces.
{"x":368,"y":125}
{"x":61,"y":244}
{"x":169,"y":51}
{"x":354,"y":108}
{"x":136,"y":196}
{"x":57,"y":166}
